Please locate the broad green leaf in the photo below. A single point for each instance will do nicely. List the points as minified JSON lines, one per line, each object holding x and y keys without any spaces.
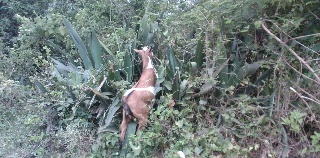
{"x":245,"y":71}
{"x":78,"y":78}
{"x":112,"y":110}
{"x":144,"y":29}
{"x":191,"y":34}
{"x":130,"y":130}
{"x":114,"y":73}
{"x":193,"y":69}
{"x":257,"y":24}
{"x":79,"y":44}
{"x":107,"y":50}
{"x":129,"y":63}
{"x":173,"y":63}
{"x":161,"y":71}
{"x":168,"y":85}
{"x":136,"y":149}
{"x":128,"y":66}
{"x":110,"y":128}
{"x":222,"y":57}
{"x":149,"y":38}
{"x":235,"y":63}
{"x":261,"y":118}
{"x":56,"y":73}
{"x":200,"y":54}
{"x":259,"y":81}
{"x":198,"y":150}
{"x":183,"y":86}
{"x":248,"y":70}
{"x":179,"y":123}
{"x":169,"y":72}
{"x":207,"y":87}
{"x":63,"y":67}
{"x":95,"y":49}
{"x":40,"y":86}
{"x":99,"y":94}
{"x":176,"y":86}
{"x":203,"y":102}
{"x":173,"y":72}
{"x":220,"y":68}
{"x":57,"y":48}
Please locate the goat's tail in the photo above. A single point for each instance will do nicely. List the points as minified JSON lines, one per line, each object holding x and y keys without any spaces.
{"x":127,"y":110}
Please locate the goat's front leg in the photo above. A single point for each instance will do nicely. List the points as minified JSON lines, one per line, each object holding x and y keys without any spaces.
{"x":142,"y":122}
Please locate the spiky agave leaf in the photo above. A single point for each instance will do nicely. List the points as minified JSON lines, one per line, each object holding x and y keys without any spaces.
{"x":95,"y":49}
{"x":79,"y":44}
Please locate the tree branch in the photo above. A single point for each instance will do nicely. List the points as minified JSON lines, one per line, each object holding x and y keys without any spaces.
{"x":294,"y":53}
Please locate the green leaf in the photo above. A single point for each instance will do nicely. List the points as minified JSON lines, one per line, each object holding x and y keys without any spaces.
{"x":40,"y":86}
{"x":203,"y":102}
{"x":144,"y":30}
{"x":245,"y":71}
{"x":112,"y":110}
{"x":207,"y":87}
{"x":136,"y":149}
{"x":128,"y":66}
{"x":63,"y":67}
{"x":183,"y":86}
{"x":176,"y":85}
{"x":259,"y":81}
{"x":95,"y":49}
{"x":168,"y":85}
{"x":103,"y":98}
{"x":114,"y":74}
{"x":107,"y":50}
{"x":79,"y":44}
{"x":130,"y":130}
{"x":220,"y":68}
{"x":198,"y":150}
{"x":57,"y":48}
{"x":56,"y":73}
{"x":173,"y":63}
{"x":222,"y":58}
{"x":200,"y":54}
{"x":179,"y":123}
{"x":193,"y":69}
{"x":257,"y":24}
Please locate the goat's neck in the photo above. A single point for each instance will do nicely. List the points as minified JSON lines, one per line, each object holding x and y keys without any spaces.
{"x":146,"y":62}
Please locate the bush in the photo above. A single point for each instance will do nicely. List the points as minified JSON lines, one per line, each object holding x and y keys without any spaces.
{"x":20,"y":120}
{"x":238,"y":78}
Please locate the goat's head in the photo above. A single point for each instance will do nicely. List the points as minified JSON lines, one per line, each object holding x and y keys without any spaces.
{"x":146,"y":51}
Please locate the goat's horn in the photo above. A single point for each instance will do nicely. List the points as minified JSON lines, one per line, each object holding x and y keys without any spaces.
{"x":138,"y":51}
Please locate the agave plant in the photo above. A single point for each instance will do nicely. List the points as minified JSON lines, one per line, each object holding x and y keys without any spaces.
{"x":91,"y":72}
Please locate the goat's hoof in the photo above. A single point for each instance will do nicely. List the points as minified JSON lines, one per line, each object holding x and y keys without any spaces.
{"x":120,"y":144}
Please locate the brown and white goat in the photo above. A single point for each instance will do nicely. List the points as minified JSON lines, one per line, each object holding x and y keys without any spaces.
{"x":136,"y":101}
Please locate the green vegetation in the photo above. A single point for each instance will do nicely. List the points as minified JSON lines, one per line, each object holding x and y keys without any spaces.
{"x":238,"y":78}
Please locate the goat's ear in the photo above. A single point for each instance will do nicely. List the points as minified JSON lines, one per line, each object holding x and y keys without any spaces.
{"x":138,"y":51}
{"x":141,"y":51}
{"x":149,"y":49}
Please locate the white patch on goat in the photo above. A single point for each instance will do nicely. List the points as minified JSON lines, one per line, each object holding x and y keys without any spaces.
{"x":145,"y":48}
{"x":150,"y":89}
{"x":150,"y":65}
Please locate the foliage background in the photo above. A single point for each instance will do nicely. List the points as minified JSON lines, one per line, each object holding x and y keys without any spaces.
{"x":238,"y":78}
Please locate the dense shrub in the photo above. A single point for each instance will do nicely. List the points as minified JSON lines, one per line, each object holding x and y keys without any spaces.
{"x":238,"y":78}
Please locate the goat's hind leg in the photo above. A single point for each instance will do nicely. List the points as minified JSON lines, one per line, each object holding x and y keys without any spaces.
{"x":123,"y":127}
